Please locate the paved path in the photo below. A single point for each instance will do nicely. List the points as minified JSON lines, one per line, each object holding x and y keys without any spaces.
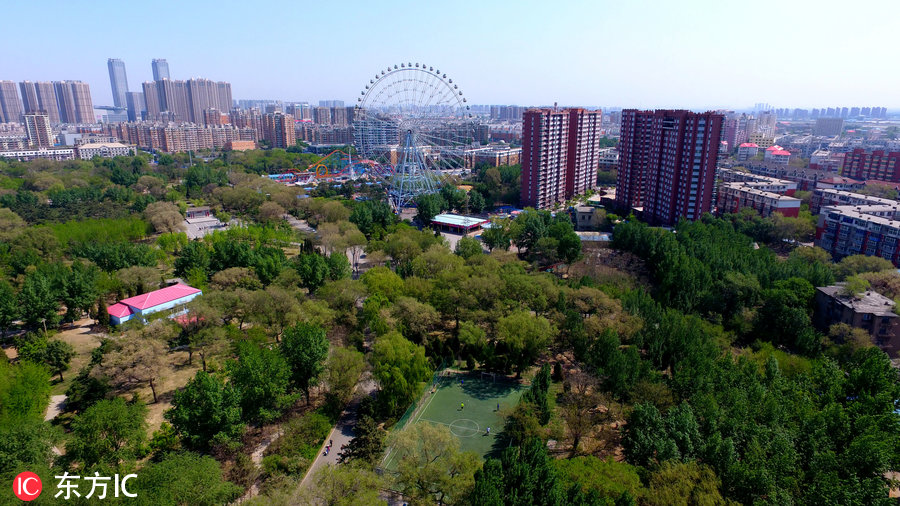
{"x":57,"y":403}
{"x":300,"y":225}
{"x":342,"y":432}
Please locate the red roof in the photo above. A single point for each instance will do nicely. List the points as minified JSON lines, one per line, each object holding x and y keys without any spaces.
{"x":157,"y":297}
{"x":119,"y":310}
{"x":781,"y":152}
{"x":774,"y":148}
{"x":749,"y":145}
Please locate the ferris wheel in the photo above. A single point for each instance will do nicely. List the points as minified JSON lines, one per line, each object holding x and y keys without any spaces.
{"x":413,"y":118}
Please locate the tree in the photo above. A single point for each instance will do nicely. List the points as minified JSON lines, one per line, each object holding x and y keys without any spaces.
{"x":10,"y":224}
{"x":140,"y":358}
{"x":276,"y":308}
{"x":383,"y":281}
{"x":206,"y":411}
{"x":185,"y":478}
{"x":165,"y":217}
{"x":235,"y":277}
{"x":27,"y":444}
{"x":38,"y":302}
{"x":677,"y":484}
{"x":569,"y":247}
{"x":338,"y":266}
{"x":270,"y":212}
{"x":36,"y":348}
{"x":497,"y":236}
{"x":9,"y":307}
{"x":313,"y":270}
{"x":524,"y":475}
{"x":367,"y":444}
{"x":108,"y":433}
{"x":428,"y":206}
{"x":194,"y":255}
{"x":431,"y":466}
{"x":468,"y":247}
{"x":854,"y":337}
{"x":415,"y":319}
{"x":24,"y":393}
{"x":139,"y":279}
{"x":57,"y":356}
{"x":857,"y":264}
{"x":525,"y":336}
{"x":398,"y":366}
{"x":206,"y":342}
{"x":476,"y":202}
{"x":305,"y":347}
{"x":80,"y":290}
{"x":612,"y":480}
{"x":343,"y":485}
{"x":529,"y":227}
{"x":584,"y":408}
{"x":854,"y":286}
{"x":261,"y":376}
{"x":342,"y":371}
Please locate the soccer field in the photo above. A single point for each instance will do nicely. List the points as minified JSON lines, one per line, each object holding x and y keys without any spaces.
{"x":480,"y":398}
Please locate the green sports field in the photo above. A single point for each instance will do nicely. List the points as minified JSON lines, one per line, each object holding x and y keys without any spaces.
{"x":469,"y":423}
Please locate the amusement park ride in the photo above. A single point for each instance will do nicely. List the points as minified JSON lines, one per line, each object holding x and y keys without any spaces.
{"x":337,"y":165}
{"x":411,"y":123}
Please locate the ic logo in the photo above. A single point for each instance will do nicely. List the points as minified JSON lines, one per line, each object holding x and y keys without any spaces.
{"x":27,"y":486}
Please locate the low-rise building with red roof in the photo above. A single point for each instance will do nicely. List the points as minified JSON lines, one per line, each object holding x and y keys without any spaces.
{"x":746,"y":151}
{"x":170,"y":298}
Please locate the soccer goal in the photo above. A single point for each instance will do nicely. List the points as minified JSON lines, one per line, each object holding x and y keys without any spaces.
{"x":489,"y":376}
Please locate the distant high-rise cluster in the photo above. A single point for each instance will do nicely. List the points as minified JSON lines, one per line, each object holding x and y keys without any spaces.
{"x":667,"y":163}
{"x":507,"y":112}
{"x":560,"y":155}
{"x":62,"y":101}
{"x":196,"y":100}
{"x":856,"y":112}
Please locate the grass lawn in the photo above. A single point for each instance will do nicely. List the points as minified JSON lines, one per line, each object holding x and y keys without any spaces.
{"x":468,"y":405}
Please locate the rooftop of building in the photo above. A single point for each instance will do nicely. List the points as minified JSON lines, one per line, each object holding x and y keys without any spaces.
{"x":161,"y":296}
{"x":101,"y":145}
{"x":866,"y":198}
{"x":870,"y":302}
{"x":751,"y":189}
{"x":840,"y":180}
{"x":458,"y":220}
{"x":861,"y":213}
{"x":780,"y":152}
{"x":748,"y":145}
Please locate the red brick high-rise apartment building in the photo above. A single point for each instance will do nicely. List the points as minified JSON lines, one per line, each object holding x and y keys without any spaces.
{"x":667,"y":163}
{"x":583,"y":158}
{"x":881,"y":165}
{"x":278,"y":129}
{"x":560,"y":155}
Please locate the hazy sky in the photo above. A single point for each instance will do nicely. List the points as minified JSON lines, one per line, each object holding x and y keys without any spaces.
{"x":629,"y":53}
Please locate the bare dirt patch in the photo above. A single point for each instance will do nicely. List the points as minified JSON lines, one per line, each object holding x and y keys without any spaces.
{"x":84,"y":338}
{"x":610,"y":266}
{"x":178,"y":373}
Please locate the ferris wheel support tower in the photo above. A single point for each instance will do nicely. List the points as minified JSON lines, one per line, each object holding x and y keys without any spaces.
{"x":414,"y":119}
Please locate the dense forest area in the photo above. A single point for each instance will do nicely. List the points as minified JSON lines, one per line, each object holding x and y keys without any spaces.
{"x":694,"y":376}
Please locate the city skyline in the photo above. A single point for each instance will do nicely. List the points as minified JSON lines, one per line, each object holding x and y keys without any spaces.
{"x":696,"y":55}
